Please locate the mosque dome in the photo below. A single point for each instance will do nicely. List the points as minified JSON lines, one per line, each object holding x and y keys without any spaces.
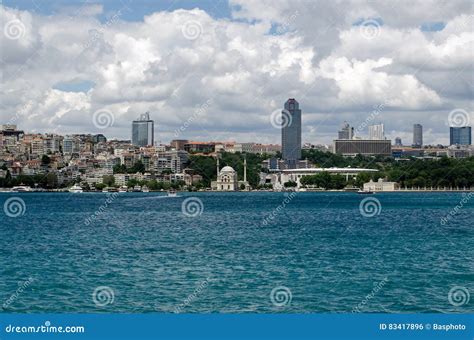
{"x":227,"y":169}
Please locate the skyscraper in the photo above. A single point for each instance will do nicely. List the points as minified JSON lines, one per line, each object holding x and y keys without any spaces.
{"x":417,"y":135}
{"x":460,"y":135}
{"x":376,"y":132}
{"x":346,"y":132}
{"x":398,"y":141}
{"x":291,"y":133}
{"x":143,"y":130}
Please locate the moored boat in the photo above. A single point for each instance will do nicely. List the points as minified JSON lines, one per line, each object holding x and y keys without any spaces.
{"x":76,"y":188}
{"x":365,"y":192}
{"x":21,"y":188}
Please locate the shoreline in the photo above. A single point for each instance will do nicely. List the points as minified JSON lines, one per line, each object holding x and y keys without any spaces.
{"x":4,"y":191}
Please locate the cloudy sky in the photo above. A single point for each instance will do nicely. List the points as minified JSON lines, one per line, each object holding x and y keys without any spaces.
{"x":217,"y":70}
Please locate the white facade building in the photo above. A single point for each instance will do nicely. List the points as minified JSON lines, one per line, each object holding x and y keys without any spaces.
{"x":381,"y":185}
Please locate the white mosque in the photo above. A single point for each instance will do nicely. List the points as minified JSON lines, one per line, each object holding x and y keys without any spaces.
{"x":227,"y":179}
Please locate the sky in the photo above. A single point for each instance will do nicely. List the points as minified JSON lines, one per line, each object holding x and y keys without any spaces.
{"x":222,"y":70}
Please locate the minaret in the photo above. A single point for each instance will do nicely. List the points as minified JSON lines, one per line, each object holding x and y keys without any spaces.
{"x":217,"y":166}
{"x":245,"y":169}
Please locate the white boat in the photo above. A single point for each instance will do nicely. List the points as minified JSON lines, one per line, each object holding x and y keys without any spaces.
{"x":365,"y":192}
{"x":172,"y":193}
{"x":21,"y":188}
{"x":123,"y":188}
{"x":110,"y":189}
{"x":137,"y":188}
{"x":145,"y":189}
{"x":76,"y":189}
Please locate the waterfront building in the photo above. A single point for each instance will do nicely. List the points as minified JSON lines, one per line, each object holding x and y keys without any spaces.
{"x":417,"y":135}
{"x":381,"y":185}
{"x":363,"y":147}
{"x":346,"y":132}
{"x":279,"y":178}
{"x":291,"y":133}
{"x":376,"y":132}
{"x":460,"y":135}
{"x":143,"y":130}
{"x":227,"y":179}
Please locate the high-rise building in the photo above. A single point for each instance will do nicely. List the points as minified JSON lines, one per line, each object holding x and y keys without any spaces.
{"x":417,"y":135}
{"x":460,"y":135}
{"x":346,"y":132}
{"x":291,"y":133}
{"x":398,"y":141}
{"x":143,"y":130}
{"x":376,"y":132}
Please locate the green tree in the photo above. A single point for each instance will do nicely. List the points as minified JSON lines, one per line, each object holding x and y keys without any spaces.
{"x":108,"y":180}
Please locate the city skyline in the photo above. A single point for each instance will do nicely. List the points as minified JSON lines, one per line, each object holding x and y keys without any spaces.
{"x":243,"y":61}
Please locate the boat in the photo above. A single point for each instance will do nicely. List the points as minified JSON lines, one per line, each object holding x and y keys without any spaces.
{"x":123,"y":188}
{"x":76,"y":189}
{"x":145,"y":189}
{"x":21,"y":188}
{"x":109,"y":189}
{"x":137,"y":188}
{"x":365,"y":192}
{"x":172,"y":193}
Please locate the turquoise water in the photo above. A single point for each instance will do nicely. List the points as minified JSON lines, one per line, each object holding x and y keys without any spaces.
{"x":235,"y":251}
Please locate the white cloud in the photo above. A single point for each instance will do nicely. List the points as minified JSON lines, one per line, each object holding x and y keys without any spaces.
{"x":318,"y":57}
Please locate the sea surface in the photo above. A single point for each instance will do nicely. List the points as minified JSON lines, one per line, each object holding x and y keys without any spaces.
{"x":237,"y":252}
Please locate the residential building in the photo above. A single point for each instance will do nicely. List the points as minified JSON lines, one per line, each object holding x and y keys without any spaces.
{"x":376,"y":132}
